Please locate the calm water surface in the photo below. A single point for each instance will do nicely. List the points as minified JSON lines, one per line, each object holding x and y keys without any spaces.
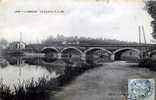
{"x":15,"y":74}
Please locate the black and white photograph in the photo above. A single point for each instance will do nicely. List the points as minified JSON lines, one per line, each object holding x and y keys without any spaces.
{"x":77,"y":49}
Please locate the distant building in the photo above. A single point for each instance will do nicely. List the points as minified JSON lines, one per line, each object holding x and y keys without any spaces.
{"x":17,"y":45}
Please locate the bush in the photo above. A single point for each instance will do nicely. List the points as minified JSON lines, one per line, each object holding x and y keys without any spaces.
{"x":31,"y":90}
{"x":148,"y":63}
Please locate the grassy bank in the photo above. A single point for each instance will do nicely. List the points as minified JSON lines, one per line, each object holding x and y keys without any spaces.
{"x":148,"y":63}
{"x":43,"y":88}
{"x":26,"y":91}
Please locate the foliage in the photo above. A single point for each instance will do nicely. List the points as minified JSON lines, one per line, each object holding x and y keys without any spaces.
{"x":3,"y":43}
{"x":31,"y":90}
{"x":60,"y":39}
{"x":151,"y":9}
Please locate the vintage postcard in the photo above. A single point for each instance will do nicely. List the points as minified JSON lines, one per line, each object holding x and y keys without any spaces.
{"x":77,"y":49}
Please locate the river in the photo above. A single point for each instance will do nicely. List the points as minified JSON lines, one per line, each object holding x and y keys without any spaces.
{"x":11,"y":75}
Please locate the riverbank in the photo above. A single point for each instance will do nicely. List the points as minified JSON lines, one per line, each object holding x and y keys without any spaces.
{"x":148,"y":63}
{"x":33,"y":90}
{"x":107,"y":82}
{"x":50,"y":89}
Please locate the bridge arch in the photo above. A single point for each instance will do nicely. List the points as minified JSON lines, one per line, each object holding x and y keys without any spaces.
{"x":92,"y":56}
{"x":74,"y":48}
{"x":152,"y":54}
{"x":51,"y":54}
{"x":71,"y":55}
{"x":127,"y":54}
{"x":49,"y":48}
{"x":97,"y":48}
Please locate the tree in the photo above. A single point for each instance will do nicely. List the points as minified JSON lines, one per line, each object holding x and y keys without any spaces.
{"x":151,"y":9}
{"x":3,"y":43}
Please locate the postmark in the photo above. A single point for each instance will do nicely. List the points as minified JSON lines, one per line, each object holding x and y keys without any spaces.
{"x":141,"y":89}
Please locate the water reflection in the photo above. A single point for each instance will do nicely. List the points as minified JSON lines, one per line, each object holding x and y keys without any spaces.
{"x":14,"y":74}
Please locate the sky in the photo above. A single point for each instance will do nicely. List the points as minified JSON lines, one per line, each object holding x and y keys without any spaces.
{"x":112,"y":19}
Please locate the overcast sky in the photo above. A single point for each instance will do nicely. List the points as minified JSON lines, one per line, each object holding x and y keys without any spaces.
{"x":116,"y":19}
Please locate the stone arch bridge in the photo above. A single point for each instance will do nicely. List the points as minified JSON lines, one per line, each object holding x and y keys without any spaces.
{"x":96,"y":53}
{"x":91,"y":53}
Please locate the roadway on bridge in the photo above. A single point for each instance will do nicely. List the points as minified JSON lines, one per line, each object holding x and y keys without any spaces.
{"x":108,"y":82}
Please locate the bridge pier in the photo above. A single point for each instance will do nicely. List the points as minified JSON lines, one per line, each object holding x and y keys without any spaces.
{"x":59,"y":55}
{"x":112,"y":57}
{"x":83,"y":57}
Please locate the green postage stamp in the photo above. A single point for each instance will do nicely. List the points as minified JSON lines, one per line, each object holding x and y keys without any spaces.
{"x":141,"y":89}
